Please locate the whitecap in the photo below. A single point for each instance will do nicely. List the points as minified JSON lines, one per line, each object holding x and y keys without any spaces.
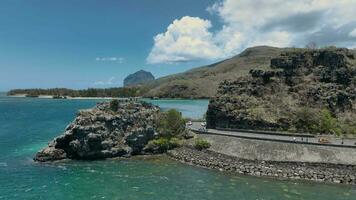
{"x":62,"y":167}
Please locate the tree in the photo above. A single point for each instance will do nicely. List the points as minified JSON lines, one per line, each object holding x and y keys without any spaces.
{"x":114,"y":105}
{"x":328,"y":123}
{"x":171,"y":123}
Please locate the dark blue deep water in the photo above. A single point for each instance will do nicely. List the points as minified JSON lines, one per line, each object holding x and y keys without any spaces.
{"x":26,"y":125}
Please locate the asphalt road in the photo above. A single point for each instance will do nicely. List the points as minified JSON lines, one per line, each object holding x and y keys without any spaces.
{"x":261,"y":136}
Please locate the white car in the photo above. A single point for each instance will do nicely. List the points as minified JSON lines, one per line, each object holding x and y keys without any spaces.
{"x":190,"y":123}
{"x":203,"y":124}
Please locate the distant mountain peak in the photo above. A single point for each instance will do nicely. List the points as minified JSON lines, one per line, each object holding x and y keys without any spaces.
{"x":138,"y":78}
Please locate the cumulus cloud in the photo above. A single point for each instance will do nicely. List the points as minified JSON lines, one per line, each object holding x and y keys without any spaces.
{"x":256,"y":22}
{"x":110,"y":81}
{"x":110,"y":59}
{"x":185,"y":39}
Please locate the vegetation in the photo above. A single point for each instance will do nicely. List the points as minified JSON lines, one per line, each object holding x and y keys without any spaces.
{"x":171,"y":124}
{"x":114,"y":105}
{"x":171,"y":129}
{"x":307,"y":120}
{"x":328,"y":123}
{"x":201,"y":144}
{"x":164,"y":144}
{"x":322,"y":122}
{"x":90,"y":92}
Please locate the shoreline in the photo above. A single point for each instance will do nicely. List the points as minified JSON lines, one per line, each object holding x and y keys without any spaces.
{"x":312,"y":172}
{"x":66,"y":97}
{"x":105,"y":98}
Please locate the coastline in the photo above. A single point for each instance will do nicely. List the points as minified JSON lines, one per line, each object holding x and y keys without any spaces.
{"x":105,"y":98}
{"x":315,"y":172}
{"x":66,"y":97}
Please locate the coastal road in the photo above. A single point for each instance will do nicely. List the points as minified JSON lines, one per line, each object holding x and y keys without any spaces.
{"x":196,"y":126}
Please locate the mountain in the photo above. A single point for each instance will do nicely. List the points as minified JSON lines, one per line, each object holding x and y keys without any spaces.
{"x":304,"y":90}
{"x":203,"y":82}
{"x":138,"y":78}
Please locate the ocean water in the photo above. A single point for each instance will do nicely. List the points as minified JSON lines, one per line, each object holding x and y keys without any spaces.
{"x":26,"y":125}
{"x":194,"y":109}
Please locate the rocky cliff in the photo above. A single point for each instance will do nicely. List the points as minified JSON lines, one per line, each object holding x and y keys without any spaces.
{"x":138,"y":78}
{"x":292,"y":95}
{"x":103,"y":132}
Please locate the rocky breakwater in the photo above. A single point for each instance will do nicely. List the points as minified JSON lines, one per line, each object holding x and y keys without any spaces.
{"x":301,"y":89}
{"x":121,"y":129}
{"x":330,"y":173}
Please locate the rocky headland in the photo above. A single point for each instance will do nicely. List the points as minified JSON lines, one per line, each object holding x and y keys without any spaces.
{"x":108,"y":130}
{"x":304,"y":90}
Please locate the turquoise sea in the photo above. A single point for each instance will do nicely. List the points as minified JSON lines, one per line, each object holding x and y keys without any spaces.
{"x":26,"y":125}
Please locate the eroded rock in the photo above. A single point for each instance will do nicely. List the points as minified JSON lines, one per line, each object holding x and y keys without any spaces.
{"x":102,"y":133}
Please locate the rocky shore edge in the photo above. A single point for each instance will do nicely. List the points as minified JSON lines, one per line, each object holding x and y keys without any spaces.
{"x":317,"y":172}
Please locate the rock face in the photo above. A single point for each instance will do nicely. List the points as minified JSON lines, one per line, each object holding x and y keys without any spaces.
{"x":103,"y":133}
{"x":300,"y":78}
{"x":138,"y":78}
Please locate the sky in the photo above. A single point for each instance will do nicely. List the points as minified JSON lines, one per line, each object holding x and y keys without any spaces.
{"x":97,"y":43}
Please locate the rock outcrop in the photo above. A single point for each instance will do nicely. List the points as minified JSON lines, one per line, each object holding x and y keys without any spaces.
{"x":102,"y":132}
{"x":300,"y":81}
{"x":138,"y":78}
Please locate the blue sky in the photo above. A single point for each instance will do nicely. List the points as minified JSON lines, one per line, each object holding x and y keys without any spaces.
{"x":74,"y":43}
{"x":96,"y":43}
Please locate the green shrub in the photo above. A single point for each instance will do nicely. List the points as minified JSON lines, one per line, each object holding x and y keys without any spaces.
{"x":348,"y":129}
{"x":114,"y":105}
{"x":171,"y":123}
{"x":163,"y":144}
{"x":201,"y":144}
{"x":175,"y":142}
{"x":328,"y":123}
{"x":318,"y":121}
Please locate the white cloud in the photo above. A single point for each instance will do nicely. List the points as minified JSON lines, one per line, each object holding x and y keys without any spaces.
{"x":276,"y":39}
{"x":110,"y":81}
{"x":185,"y":39}
{"x":353,"y":33}
{"x":110,"y":59}
{"x":256,"y":22}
